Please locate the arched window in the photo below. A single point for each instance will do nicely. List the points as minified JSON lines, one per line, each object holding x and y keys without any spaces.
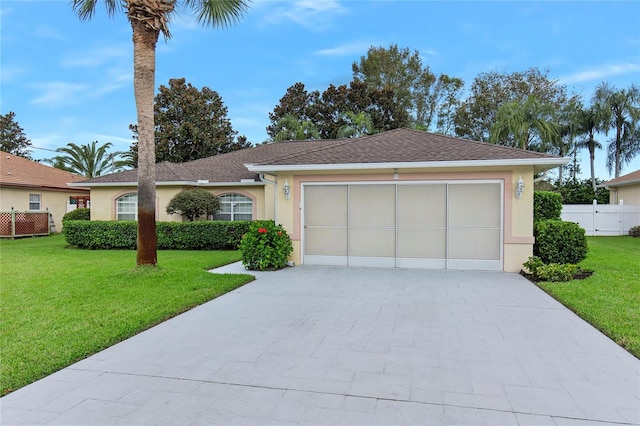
{"x":234,"y":207}
{"x":127,"y":207}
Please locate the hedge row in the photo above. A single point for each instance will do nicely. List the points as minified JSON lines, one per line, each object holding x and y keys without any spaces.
{"x":201,"y":235}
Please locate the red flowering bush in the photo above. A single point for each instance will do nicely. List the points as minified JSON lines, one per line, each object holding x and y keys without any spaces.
{"x":266,"y":247}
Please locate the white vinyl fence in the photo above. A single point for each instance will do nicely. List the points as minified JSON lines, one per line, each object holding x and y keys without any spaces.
{"x":602,"y":219}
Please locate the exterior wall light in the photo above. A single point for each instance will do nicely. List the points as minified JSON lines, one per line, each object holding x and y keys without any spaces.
{"x":286,"y":189}
{"x":519,"y":187}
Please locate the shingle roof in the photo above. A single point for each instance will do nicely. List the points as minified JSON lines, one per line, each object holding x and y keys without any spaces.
{"x":628,"y":179}
{"x":21,"y":172}
{"x":394,"y":146}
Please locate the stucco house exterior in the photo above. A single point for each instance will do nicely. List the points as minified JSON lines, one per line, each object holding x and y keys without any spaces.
{"x":402,"y":198}
{"x":26,"y":185}
{"x":626,"y":188}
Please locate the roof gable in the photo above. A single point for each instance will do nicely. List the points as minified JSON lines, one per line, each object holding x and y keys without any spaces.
{"x":21,"y":172}
{"x":628,"y":179}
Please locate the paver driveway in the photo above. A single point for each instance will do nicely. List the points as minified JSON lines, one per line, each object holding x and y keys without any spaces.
{"x":325,"y":345}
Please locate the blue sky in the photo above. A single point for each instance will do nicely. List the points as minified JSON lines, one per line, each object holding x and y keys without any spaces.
{"x":72,"y":81}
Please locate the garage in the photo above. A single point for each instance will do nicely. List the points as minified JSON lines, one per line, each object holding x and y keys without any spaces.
{"x":435,"y":224}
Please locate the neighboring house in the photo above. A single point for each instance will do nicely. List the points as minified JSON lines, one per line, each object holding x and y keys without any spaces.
{"x":402,"y":198}
{"x":625,"y":188}
{"x":29,"y":186}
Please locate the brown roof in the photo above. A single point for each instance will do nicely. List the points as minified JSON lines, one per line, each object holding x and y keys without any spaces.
{"x":394,"y":146}
{"x":628,"y":179}
{"x":21,"y":172}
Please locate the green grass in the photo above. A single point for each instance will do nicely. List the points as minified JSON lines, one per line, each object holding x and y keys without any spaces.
{"x":610,"y":298}
{"x":59,"y":305}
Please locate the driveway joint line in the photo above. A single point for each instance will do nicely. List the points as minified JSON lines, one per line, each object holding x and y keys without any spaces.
{"x":359,"y":396}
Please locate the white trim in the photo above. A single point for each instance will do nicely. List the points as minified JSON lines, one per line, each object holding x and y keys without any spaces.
{"x":421,"y":263}
{"x":370,"y":261}
{"x":475,"y":264}
{"x":325,"y":260}
{"x":547,"y":163}
{"x":167,"y":183}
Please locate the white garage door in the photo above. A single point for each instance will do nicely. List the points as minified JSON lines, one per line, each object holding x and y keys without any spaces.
{"x":454,"y":225}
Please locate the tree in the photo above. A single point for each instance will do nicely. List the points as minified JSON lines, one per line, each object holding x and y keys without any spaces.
{"x":357,"y":125}
{"x":194,"y":203}
{"x":590,"y":122}
{"x":621,"y":110}
{"x":489,"y":91}
{"x":89,"y":161}
{"x":148,"y":19}
{"x":416,"y":89}
{"x":289,"y":128}
{"x":568,"y":126}
{"x":526,"y":125}
{"x":326,"y":112}
{"x":189,"y":124}
{"x":296,"y":102}
{"x":12,"y":137}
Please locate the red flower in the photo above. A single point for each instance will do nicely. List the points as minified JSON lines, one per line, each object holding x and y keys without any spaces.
{"x":279,"y":232}
{"x":262,"y":230}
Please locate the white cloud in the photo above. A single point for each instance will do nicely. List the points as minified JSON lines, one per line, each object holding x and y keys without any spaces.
{"x":48,"y":32}
{"x":98,"y":57}
{"x":58,"y":93}
{"x":347,"y":49}
{"x":311,"y":14}
{"x":600,"y":73}
{"x":116,"y":79}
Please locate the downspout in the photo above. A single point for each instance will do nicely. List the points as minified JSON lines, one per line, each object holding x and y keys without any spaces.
{"x":275,"y":195}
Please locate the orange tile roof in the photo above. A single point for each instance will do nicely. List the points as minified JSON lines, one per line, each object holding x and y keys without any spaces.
{"x":20,"y":172}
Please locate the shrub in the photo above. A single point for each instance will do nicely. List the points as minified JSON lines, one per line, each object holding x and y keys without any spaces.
{"x":533,"y":264}
{"x":556,"y":272}
{"x":546,"y":205}
{"x":266,"y":246}
{"x":194,"y":203}
{"x":557,"y":241}
{"x":204,"y":235}
{"x":634,"y":231}
{"x":581,"y":192}
{"x":77,"y":214}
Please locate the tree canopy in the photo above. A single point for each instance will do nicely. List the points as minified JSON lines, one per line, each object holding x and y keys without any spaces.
{"x":12,"y":137}
{"x":190,"y":123}
{"x":88,"y":160}
{"x":194,"y":203}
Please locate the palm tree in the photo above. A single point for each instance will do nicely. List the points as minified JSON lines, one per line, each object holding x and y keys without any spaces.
{"x":148,"y":19}
{"x":622,"y":112}
{"x":86,"y":160}
{"x":525,"y":125}
{"x":357,"y":125}
{"x":590,"y":122}
{"x":291,"y":129}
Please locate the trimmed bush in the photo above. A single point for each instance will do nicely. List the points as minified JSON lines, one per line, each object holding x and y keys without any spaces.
{"x":204,"y":235}
{"x":556,"y":272}
{"x":634,"y":231}
{"x":194,"y":203}
{"x":266,"y":247}
{"x":557,"y":241}
{"x":77,"y":214}
{"x":546,"y":205}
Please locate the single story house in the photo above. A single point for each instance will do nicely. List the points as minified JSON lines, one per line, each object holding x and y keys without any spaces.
{"x":402,"y":198}
{"x":625,"y":188}
{"x":26,"y":185}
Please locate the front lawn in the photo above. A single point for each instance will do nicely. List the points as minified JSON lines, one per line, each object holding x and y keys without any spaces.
{"x":610,"y":298}
{"x":60,"y":305}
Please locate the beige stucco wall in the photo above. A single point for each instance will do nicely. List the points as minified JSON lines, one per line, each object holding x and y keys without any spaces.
{"x":518,"y":220}
{"x":629,"y":193}
{"x":53,"y":200}
{"x":103,"y":200}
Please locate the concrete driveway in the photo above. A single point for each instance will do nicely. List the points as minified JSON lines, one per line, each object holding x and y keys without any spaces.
{"x":354,"y":346}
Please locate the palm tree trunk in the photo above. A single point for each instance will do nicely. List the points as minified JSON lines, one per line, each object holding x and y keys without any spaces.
{"x":592,"y":161}
{"x":144,"y":64}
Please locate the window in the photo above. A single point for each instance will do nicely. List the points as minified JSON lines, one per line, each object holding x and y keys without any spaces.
{"x":234,"y":207}
{"x":127,"y":207}
{"x":35,"y":201}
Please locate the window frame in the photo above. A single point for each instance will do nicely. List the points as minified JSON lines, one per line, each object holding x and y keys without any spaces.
{"x":232,"y":214}
{"x":33,"y":203}
{"x":120,"y":202}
